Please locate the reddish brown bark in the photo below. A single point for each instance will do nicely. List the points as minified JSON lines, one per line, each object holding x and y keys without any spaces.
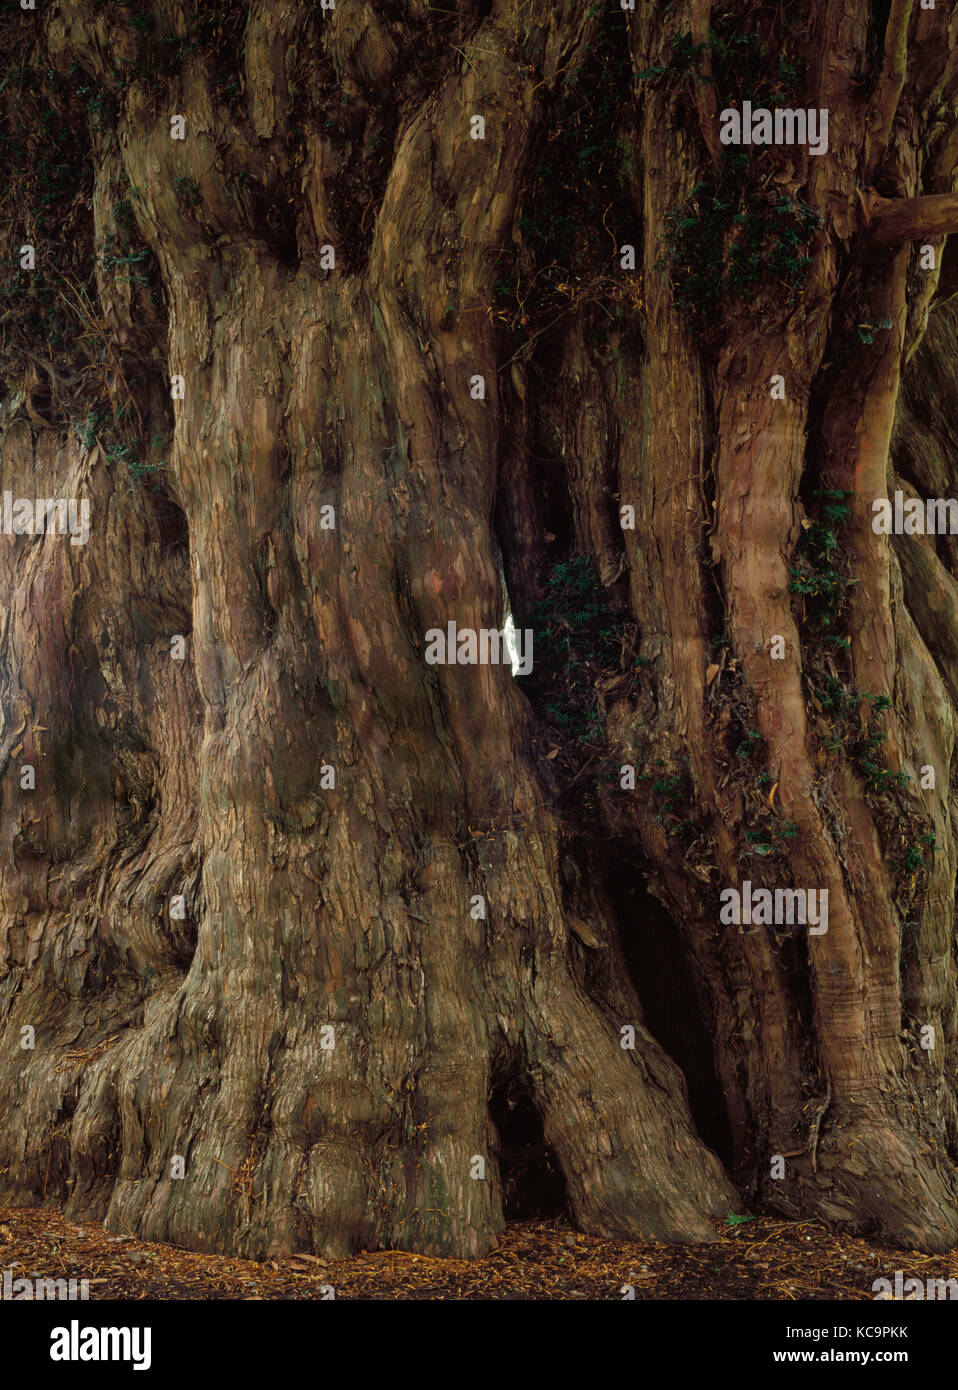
{"x":892,"y":221}
{"x":310,"y":905}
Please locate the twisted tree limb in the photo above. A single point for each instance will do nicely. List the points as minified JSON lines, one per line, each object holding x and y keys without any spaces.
{"x":890,"y":84}
{"x":706,"y":102}
{"x":891,"y":221}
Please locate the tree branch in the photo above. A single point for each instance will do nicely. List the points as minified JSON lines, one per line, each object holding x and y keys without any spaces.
{"x":706,"y":102}
{"x":891,"y":221}
{"x":890,"y":84}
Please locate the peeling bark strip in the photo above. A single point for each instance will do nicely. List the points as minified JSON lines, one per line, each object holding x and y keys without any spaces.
{"x":295,"y":920}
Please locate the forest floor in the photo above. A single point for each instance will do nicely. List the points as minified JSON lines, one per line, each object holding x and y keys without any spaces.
{"x":759,"y":1258}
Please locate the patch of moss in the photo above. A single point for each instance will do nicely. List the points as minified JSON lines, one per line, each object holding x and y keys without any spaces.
{"x":735,"y":234}
{"x":728,"y":238}
{"x":578,"y":637}
{"x":816,"y":575}
{"x":853,"y":717}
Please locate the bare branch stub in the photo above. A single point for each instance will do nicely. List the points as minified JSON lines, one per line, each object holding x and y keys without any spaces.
{"x":891,"y":221}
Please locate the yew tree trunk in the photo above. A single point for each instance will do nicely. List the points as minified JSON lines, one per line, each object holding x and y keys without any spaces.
{"x":294,"y":924}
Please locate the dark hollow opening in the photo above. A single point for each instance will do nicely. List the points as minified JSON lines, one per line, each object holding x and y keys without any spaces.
{"x":663,"y":982}
{"x":533,"y":1188}
{"x":171,"y":520}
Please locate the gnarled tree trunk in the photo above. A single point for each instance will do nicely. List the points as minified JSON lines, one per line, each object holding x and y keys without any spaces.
{"x":409,"y":891}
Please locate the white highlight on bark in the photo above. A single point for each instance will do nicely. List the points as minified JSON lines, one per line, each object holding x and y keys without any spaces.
{"x":178,"y":1166}
{"x":178,"y":908}
{"x":485,"y":646}
{"x":511,"y":645}
{"x":510,"y":639}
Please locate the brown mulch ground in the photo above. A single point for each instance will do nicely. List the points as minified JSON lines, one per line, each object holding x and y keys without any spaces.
{"x":759,"y":1259}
